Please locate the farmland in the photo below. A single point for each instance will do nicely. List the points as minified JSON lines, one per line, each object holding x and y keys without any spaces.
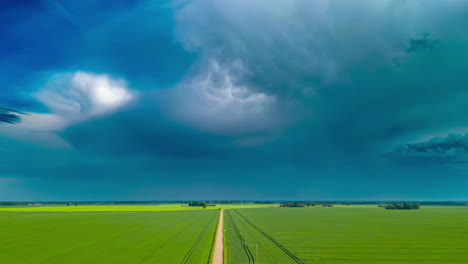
{"x":128,"y":208}
{"x":347,"y":235}
{"x":253,"y":234}
{"x":107,"y":237}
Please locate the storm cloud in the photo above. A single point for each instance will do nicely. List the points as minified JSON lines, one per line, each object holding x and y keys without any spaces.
{"x":9,"y":116}
{"x":236,"y":93}
{"x":450,"y":150}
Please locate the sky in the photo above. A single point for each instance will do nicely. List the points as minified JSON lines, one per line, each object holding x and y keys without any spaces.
{"x":254,"y":100}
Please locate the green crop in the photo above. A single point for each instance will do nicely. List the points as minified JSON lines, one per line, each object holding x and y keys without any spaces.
{"x":128,"y":208}
{"x":107,"y":237}
{"x":347,"y":235}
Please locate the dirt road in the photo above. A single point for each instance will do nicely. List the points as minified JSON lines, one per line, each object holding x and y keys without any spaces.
{"x":218,"y":257}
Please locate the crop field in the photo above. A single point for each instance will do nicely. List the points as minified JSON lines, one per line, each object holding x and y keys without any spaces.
{"x":107,"y":237}
{"x":128,"y":208}
{"x":347,"y":235}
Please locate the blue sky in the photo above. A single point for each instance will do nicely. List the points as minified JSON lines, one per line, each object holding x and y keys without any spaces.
{"x":203,"y":99}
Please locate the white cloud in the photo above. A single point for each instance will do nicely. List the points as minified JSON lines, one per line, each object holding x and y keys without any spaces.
{"x":84,"y":94}
{"x":71,"y":98}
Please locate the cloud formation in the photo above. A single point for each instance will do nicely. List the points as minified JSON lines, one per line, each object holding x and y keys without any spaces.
{"x":70,"y":98}
{"x":295,"y":48}
{"x":9,"y":116}
{"x":214,"y":99}
{"x":306,"y":60}
{"x":255,"y":89}
{"x":74,"y":97}
{"x":452,"y":149}
{"x":84,"y":93}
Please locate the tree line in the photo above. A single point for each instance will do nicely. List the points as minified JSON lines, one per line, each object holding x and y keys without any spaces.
{"x":297,"y":204}
{"x":404,"y":206}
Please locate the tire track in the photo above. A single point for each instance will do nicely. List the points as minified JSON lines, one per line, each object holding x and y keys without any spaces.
{"x":199,"y":238}
{"x":242,"y":240}
{"x":285,"y":250}
{"x":169,"y":240}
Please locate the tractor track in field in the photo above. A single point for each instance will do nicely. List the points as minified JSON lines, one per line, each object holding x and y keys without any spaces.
{"x":199,"y":238}
{"x":182,"y":231}
{"x":285,"y":250}
{"x":242,"y":240}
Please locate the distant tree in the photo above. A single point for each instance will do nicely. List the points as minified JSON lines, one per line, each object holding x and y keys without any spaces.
{"x":293,"y":204}
{"x":404,"y":206}
{"x":201,"y":204}
{"x":12,"y":203}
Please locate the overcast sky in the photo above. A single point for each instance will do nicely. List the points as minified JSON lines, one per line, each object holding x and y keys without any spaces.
{"x":207,"y":99}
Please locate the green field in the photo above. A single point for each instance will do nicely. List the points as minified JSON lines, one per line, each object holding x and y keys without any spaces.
{"x":347,"y":235}
{"x":176,"y":234}
{"x":107,"y":237}
{"x":128,"y":208}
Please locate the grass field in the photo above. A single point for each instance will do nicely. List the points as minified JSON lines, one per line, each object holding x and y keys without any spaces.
{"x":253,"y":234}
{"x":128,"y":208}
{"x":347,"y":235}
{"x":107,"y":237}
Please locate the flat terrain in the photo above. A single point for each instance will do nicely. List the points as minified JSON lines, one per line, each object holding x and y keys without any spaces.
{"x":365,"y":234}
{"x":176,"y":234}
{"x":128,"y":208}
{"x":107,"y":237}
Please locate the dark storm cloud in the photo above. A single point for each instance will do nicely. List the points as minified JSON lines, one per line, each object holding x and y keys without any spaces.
{"x":256,"y":90}
{"x":143,"y":129}
{"x":449,"y":150}
{"x":422,"y":43}
{"x":9,"y":116}
{"x":341,"y":82}
{"x":309,"y":78}
{"x":297,"y":48}
{"x":133,"y":133}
